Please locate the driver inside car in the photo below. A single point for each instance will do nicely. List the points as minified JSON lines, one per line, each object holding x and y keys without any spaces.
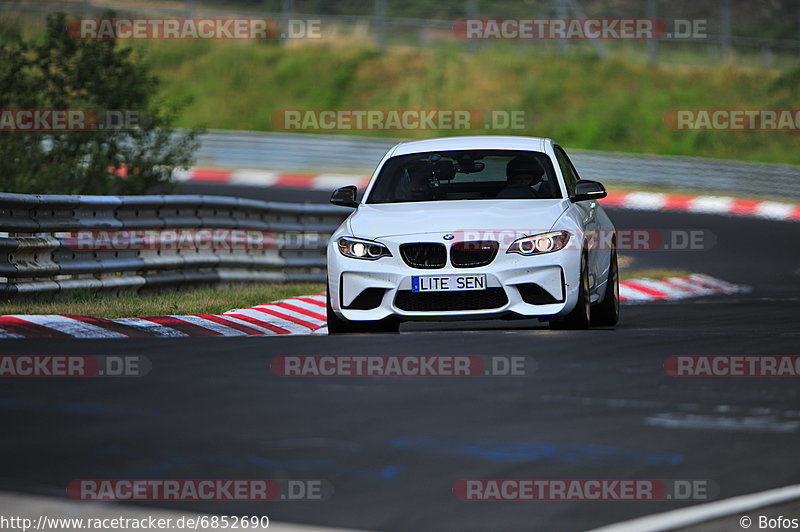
{"x":524,"y":178}
{"x":420,"y":188}
{"x":415,"y":185}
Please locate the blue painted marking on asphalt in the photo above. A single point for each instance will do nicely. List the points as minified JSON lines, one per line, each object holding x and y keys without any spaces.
{"x":169,"y":460}
{"x":390,"y":472}
{"x":522,"y":451}
{"x":70,"y":408}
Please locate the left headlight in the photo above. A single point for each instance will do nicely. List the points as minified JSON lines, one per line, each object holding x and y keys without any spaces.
{"x":541,"y":243}
{"x":357,"y":248}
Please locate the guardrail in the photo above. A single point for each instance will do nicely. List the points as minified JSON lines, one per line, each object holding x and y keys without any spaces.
{"x":350,"y":153}
{"x":370,"y":22}
{"x":116,"y":244}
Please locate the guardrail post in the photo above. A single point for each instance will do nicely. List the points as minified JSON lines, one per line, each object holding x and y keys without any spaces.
{"x":652,"y":44}
{"x":380,"y":24}
{"x":287,"y":14}
{"x":473,"y":12}
{"x":725,"y":22}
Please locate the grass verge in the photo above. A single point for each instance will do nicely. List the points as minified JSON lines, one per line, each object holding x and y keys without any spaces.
{"x":651,"y":273}
{"x":580,"y":100}
{"x":206,"y":300}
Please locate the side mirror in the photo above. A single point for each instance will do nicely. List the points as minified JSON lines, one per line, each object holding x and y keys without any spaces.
{"x":588,"y":190}
{"x":345,"y":196}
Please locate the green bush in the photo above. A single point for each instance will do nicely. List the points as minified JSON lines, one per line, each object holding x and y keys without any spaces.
{"x":59,"y":72}
{"x":579,"y":100}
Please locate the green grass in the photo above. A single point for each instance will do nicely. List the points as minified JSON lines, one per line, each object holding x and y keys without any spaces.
{"x":616,"y":104}
{"x":650,"y":273}
{"x":208,"y":300}
{"x":581,"y":101}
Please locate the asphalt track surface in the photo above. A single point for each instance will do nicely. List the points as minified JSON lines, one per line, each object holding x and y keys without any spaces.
{"x":599,"y":405}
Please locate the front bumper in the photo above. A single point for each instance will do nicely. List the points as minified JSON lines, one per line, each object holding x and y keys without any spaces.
{"x":382,"y":288}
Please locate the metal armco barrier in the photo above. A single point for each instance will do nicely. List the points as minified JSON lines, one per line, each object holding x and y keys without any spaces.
{"x":51,"y":243}
{"x":352,"y":153}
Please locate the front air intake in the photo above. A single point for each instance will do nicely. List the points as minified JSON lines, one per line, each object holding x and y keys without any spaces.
{"x":424,"y":255}
{"x":491,"y":298}
{"x":473,"y":254}
{"x":533,"y":294}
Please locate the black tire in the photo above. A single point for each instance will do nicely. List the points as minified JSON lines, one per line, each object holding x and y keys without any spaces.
{"x":606,"y":313}
{"x":579,"y":317}
{"x":386,"y":325}
{"x":337,"y":325}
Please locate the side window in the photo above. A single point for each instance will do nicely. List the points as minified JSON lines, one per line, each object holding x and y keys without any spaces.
{"x":570,"y":175}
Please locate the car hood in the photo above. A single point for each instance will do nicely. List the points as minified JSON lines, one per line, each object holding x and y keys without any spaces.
{"x":399,"y":219}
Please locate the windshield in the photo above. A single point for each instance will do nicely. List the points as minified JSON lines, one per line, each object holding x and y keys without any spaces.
{"x":466,"y":175}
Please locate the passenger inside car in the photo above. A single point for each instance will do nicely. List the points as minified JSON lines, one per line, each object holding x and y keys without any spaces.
{"x":524,"y":178}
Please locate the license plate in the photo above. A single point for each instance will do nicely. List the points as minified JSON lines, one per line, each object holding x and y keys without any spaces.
{"x":447,"y":283}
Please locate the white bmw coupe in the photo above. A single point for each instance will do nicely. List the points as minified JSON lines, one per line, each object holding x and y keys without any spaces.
{"x":473,"y":228}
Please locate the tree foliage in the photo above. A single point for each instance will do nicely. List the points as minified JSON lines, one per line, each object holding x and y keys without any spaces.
{"x":103,"y":78}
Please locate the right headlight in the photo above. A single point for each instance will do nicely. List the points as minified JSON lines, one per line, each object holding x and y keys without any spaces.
{"x":358,"y":248}
{"x":540,"y":243}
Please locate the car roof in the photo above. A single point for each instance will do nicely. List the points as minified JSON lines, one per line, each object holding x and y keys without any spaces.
{"x":478,"y":142}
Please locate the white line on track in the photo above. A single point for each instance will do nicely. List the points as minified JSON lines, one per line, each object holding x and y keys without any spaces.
{"x":684,"y":517}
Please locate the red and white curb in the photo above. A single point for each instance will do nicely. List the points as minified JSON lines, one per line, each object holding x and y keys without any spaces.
{"x":652,"y":201}
{"x":676,"y":288}
{"x":294,"y":316}
{"x":647,"y":201}
{"x":265,"y":178}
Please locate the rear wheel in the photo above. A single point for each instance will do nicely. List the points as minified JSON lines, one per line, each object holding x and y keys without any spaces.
{"x":580,"y":316}
{"x":337,"y":325}
{"x":606,"y":313}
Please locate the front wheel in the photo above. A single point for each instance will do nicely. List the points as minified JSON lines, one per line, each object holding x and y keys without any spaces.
{"x":337,"y":325}
{"x":580,"y":316}
{"x":606,"y":313}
